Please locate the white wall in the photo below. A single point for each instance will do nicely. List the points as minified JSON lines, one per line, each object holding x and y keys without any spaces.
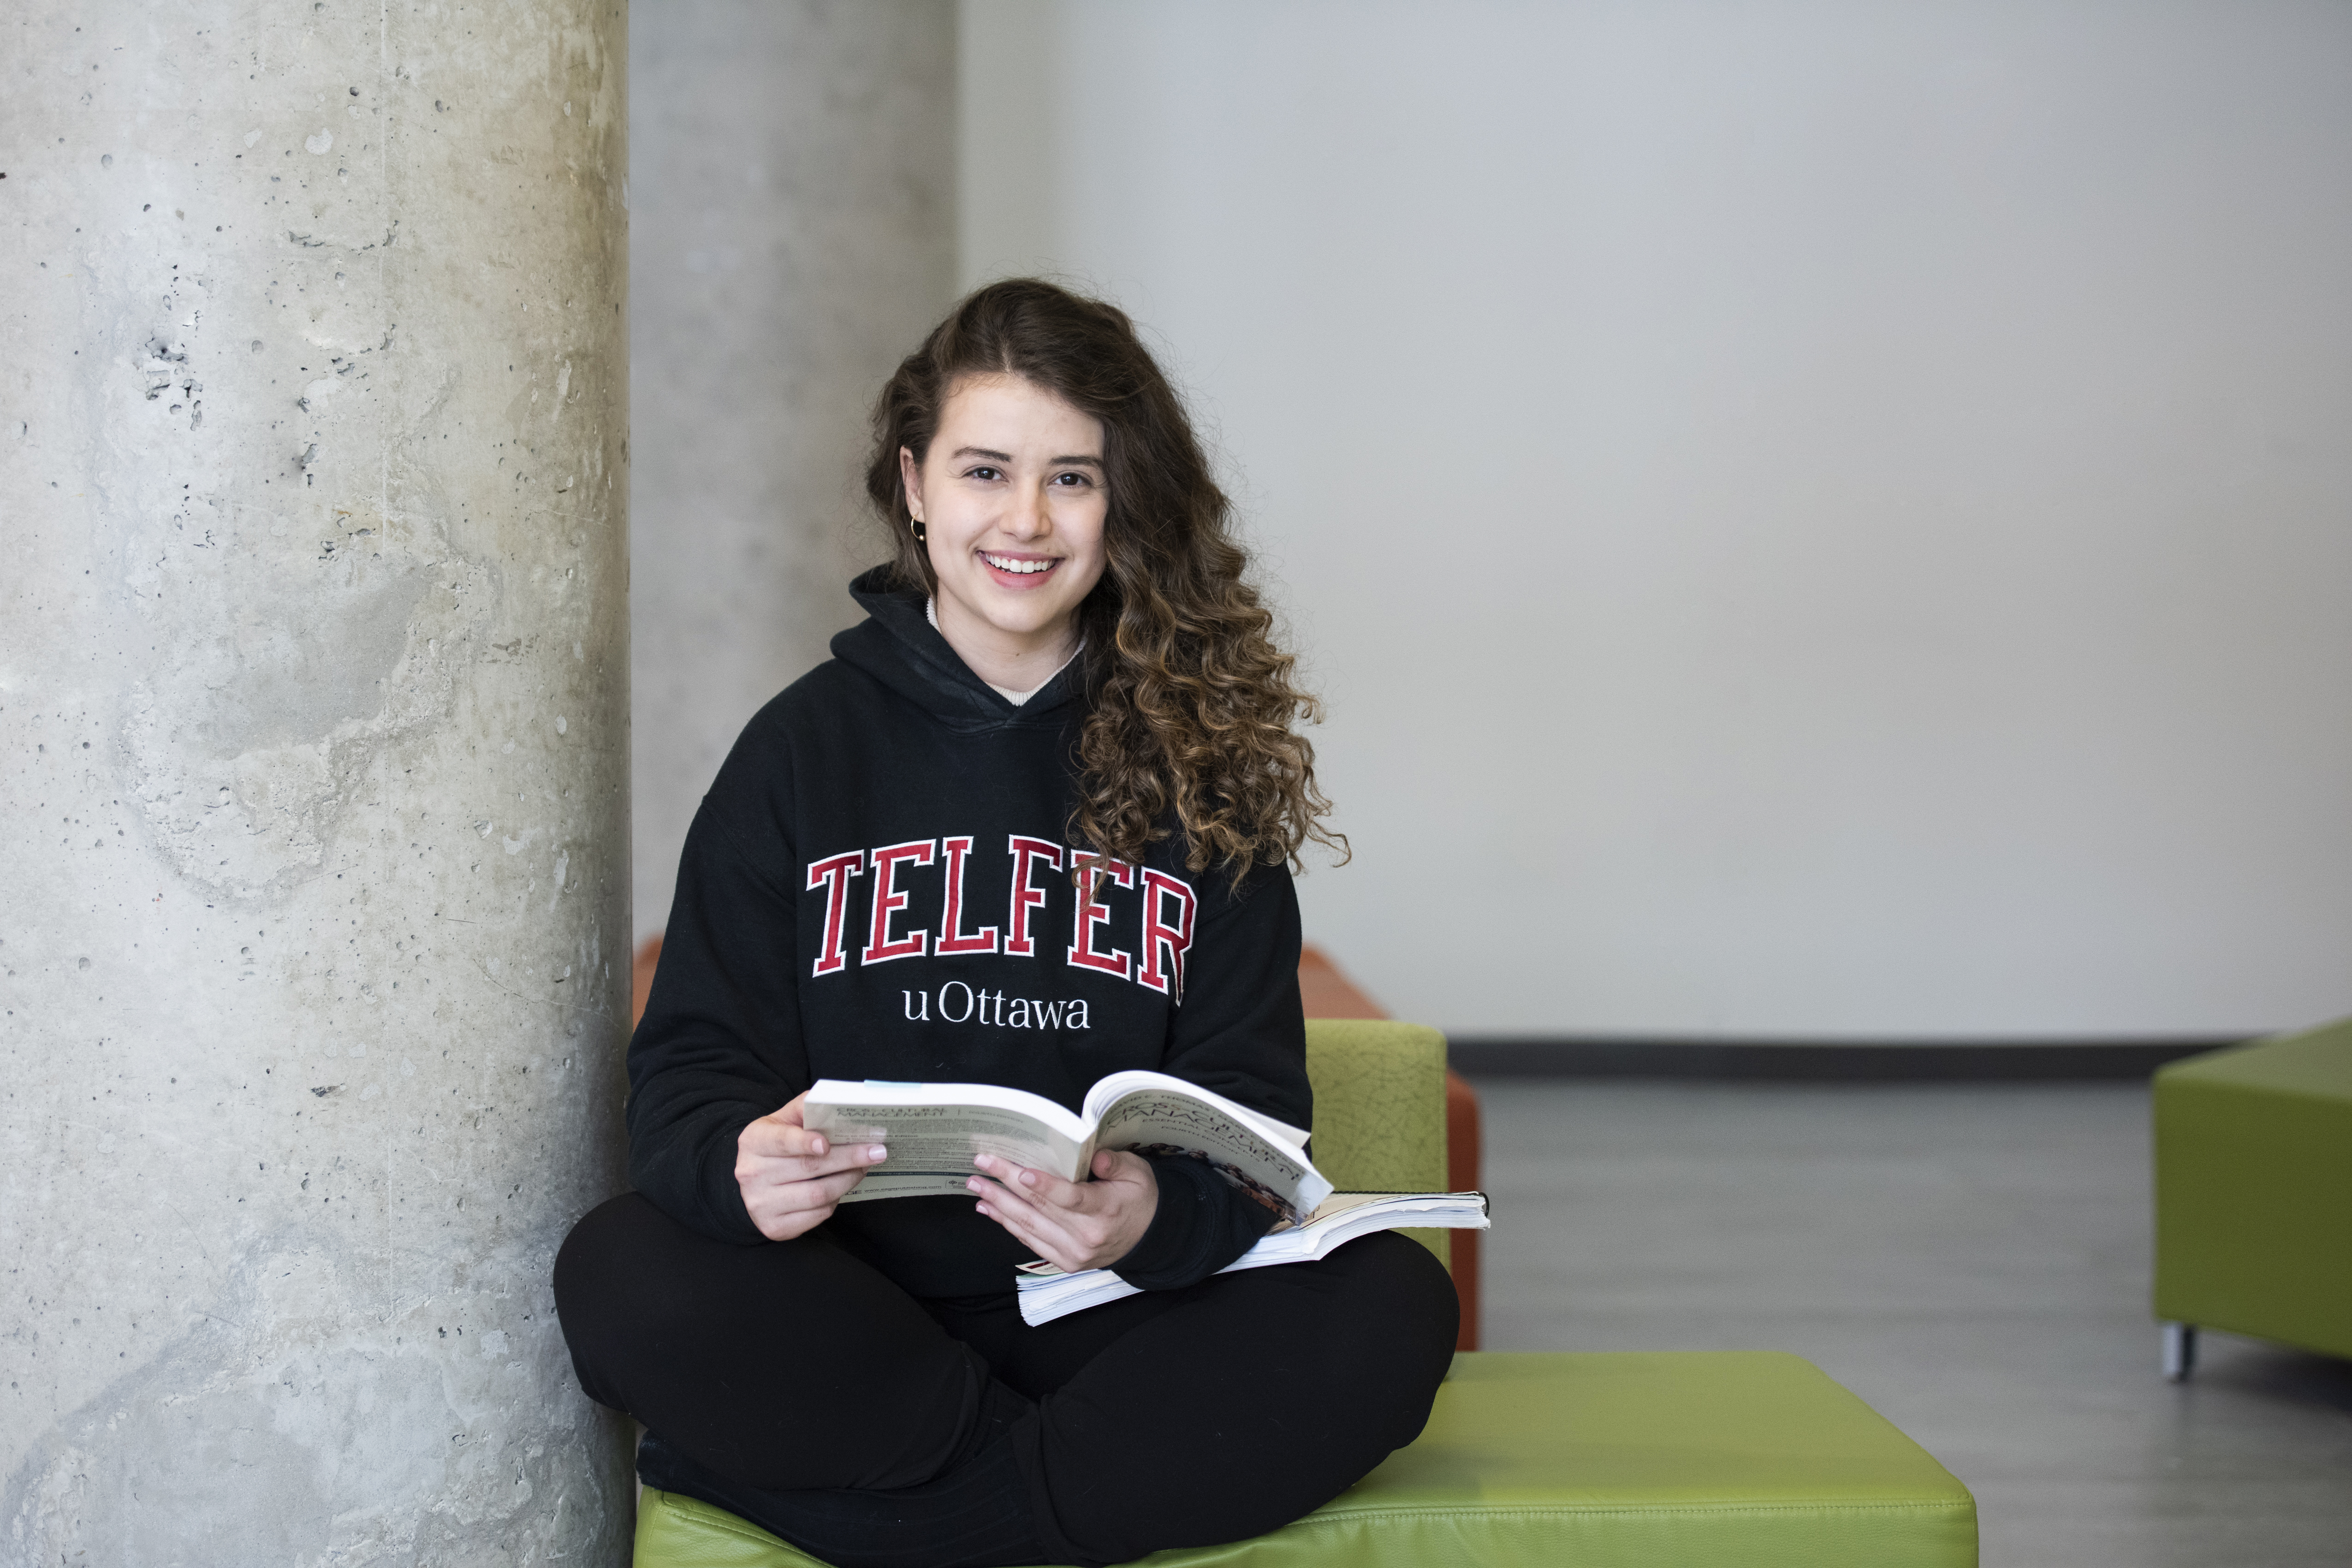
{"x":1817,"y":520}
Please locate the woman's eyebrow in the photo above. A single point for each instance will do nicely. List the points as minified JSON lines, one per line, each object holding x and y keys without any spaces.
{"x":995,"y":457}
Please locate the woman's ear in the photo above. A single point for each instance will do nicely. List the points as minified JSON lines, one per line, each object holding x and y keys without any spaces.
{"x":910,"y":480}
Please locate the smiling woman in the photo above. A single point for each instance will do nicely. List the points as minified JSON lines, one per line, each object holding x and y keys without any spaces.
{"x":1192,"y":706}
{"x":1030,"y":826}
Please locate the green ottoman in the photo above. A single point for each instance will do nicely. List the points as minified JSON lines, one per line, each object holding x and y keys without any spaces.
{"x":2254,"y":1194}
{"x":1705,"y":1459}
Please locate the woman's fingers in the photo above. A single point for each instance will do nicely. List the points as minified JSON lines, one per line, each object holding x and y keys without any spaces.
{"x":790,"y":1177}
{"x":1119,"y":1165}
{"x":1030,"y":1229}
{"x":789,"y":1208}
{"x":1070,"y":1239}
{"x":823,"y":1191}
{"x":1039,"y":1186}
{"x":1076,"y":1224}
{"x":1008,"y":1200}
{"x":778,"y":1138}
{"x":1023,"y":1212}
{"x":771,"y":1151}
{"x":800,"y":1197}
{"x":856,"y":1158}
{"x":775,"y":1138}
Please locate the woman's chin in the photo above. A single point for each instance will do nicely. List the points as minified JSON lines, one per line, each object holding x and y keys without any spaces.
{"x":1030,"y":621}
{"x":1020,"y":613}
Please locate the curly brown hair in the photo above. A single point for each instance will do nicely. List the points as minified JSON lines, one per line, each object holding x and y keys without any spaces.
{"x":1192,"y":707}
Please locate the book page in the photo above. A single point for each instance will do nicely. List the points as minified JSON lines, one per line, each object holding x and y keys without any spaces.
{"x":907,"y":1184}
{"x":1107,"y":1089}
{"x":938,"y":1140}
{"x":1176,"y":1120}
{"x":1336,"y":1204}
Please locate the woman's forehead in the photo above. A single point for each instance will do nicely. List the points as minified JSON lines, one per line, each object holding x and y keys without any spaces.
{"x":1003,"y":411}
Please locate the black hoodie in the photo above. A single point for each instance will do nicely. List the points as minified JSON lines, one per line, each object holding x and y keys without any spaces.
{"x":894,"y":771}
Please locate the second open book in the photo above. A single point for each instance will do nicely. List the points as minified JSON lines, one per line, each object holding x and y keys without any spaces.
{"x":1047,"y":1293}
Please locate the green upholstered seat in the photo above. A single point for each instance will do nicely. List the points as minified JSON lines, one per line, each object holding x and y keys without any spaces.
{"x":2253,"y":1190}
{"x":1755,"y":1459}
{"x":1705,"y":1459}
{"x":1379,"y":1109}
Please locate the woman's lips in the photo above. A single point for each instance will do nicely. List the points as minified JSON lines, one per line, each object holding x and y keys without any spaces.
{"x":1042,"y":570}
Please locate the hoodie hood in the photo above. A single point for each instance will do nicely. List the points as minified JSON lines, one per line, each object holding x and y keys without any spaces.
{"x":898,"y":645}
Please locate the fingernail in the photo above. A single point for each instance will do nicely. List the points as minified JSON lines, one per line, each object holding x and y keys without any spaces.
{"x":876,"y":1154}
{"x":816,"y":1146}
{"x":1028,"y":1178}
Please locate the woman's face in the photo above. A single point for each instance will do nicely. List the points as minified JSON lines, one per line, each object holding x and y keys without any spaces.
{"x":1012,"y":497}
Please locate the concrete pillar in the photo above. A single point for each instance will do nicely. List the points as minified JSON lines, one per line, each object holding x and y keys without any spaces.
{"x":313,"y":658}
{"x":793,"y":177}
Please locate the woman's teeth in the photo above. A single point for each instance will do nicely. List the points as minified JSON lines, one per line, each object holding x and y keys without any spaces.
{"x":1019,"y":568}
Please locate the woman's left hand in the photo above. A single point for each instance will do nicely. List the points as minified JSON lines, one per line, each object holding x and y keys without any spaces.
{"x":1071,"y":1225}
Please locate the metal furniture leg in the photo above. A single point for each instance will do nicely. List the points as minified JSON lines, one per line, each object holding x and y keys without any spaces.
{"x":2179,"y":1351}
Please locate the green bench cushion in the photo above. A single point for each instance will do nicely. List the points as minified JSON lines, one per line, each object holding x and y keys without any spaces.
{"x":1701,"y":1459}
{"x":2253,"y":1190}
{"x":1379,"y":1109}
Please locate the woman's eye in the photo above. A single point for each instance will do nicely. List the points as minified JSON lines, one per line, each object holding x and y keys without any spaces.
{"x":1073,"y":479}
{"x":983,"y":473}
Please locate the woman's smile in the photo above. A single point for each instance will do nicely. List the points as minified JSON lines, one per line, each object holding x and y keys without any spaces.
{"x":1019,"y":572}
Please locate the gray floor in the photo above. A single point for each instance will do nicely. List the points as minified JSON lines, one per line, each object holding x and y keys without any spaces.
{"x":1972,"y":1260}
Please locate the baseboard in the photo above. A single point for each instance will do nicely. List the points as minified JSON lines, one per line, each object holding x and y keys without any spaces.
{"x":1885,"y":1061}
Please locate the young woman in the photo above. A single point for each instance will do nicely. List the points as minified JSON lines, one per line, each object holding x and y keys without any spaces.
{"x":1033,"y":823}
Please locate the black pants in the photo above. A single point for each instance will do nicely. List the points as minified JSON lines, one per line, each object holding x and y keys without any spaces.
{"x":1172,"y":1418}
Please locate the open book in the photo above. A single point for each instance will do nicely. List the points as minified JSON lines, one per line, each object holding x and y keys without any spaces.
{"x":933,"y":1130}
{"x":1047,"y":1293}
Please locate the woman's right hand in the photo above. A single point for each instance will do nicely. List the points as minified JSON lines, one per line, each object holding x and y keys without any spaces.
{"x":790,"y":1177}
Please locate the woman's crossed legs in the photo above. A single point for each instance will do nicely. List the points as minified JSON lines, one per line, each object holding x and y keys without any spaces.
{"x":794,"y":1384}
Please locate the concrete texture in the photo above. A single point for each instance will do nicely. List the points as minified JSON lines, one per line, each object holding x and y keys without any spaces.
{"x":314,"y":660}
{"x":1974,"y":1261}
{"x":792,"y":172}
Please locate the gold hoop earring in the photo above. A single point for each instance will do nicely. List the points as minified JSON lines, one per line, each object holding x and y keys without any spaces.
{"x":915,"y":525}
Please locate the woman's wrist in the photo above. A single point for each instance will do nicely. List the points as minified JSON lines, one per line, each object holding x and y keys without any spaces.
{"x":1201,"y":1224}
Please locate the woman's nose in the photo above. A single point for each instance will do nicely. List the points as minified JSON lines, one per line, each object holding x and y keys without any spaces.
{"x":1027,"y":518}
